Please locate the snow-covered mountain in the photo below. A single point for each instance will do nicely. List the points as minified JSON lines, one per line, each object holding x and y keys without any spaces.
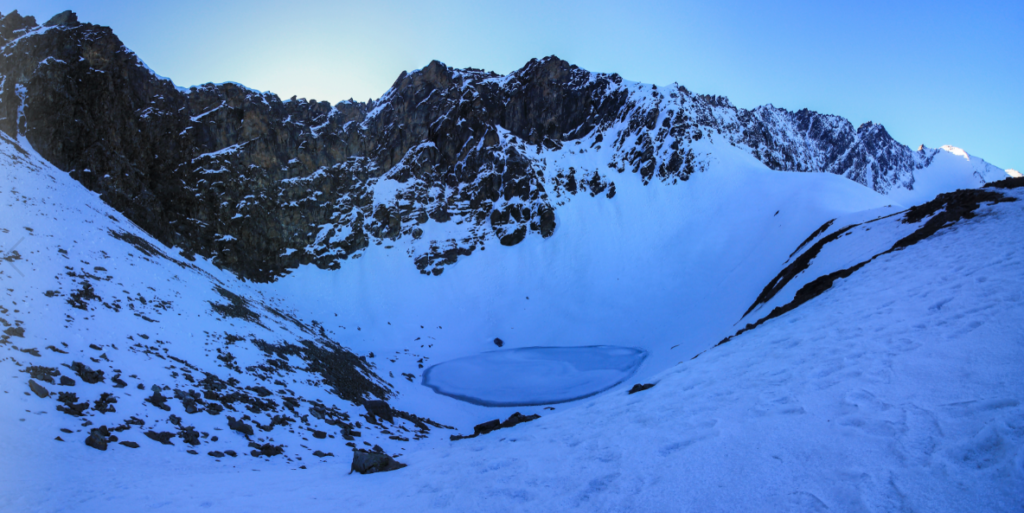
{"x":813,"y":344}
{"x":264,"y":185}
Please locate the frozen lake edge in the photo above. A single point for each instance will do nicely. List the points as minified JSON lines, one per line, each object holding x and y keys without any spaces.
{"x":534,"y":376}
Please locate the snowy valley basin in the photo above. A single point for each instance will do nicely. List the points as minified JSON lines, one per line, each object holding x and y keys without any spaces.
{"x":531,"y":376}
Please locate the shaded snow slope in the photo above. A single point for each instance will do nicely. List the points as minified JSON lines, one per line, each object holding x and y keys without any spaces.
{"x":669,"y":269}
{"x":899,"y":388}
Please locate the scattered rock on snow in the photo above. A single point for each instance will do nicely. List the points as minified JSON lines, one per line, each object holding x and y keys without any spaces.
{"x":239,"y":426}
{"x":163,"y":437}
{"x":87,"y":374}
{"x":487,"y":427}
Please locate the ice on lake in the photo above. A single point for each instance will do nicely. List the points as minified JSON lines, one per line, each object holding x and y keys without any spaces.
{"x":534,"y":375}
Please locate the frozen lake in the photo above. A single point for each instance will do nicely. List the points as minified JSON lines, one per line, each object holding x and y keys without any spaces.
{"x":532,"y":376}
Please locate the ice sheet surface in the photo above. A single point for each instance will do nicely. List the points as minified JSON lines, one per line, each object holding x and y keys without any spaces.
{"x":534,"y":375}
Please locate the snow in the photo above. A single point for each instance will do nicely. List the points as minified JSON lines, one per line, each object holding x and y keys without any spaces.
{"x":897,"y":389}
{"x":951,"y":168}
{"x":531,"y":376}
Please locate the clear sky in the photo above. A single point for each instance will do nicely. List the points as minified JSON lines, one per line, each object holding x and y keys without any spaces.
{"x":937,"y":73}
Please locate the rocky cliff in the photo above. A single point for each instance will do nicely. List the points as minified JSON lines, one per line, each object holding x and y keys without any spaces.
{"x":263,"y":184}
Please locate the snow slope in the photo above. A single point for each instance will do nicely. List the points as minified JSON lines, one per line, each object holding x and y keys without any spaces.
{"x":82,"y":284}
{"x":898,"y":388}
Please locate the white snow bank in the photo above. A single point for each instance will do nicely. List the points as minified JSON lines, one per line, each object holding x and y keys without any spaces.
{"x":534,"y":375}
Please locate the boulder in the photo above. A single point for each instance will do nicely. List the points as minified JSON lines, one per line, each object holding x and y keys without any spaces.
{"x":98,"y":438}
{"x":379,"y":409}
{"x":38,"y":389}
{"x":366,"y":462}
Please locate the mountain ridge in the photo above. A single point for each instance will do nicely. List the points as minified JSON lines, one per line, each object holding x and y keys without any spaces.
{"x":265,"y":185}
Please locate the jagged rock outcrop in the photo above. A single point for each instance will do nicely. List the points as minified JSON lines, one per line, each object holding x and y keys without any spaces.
{"x":264,"y":185}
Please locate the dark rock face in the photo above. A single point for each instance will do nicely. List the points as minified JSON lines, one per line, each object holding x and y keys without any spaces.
{"x":640,"y":388}
{"x":264,"y":185}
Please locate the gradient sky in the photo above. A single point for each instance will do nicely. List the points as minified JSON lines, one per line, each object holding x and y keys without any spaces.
{"x":932,"y":72}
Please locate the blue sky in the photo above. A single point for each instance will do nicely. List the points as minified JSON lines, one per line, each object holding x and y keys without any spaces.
{"x":931,"y":72}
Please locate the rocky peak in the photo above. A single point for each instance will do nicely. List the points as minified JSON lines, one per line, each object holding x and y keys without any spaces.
{"x":64,"y":19}
{"x":447,"y":160}
{"x":13,"y":25}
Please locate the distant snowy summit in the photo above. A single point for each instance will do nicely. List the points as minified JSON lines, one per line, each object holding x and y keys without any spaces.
{"x":447,"y":160}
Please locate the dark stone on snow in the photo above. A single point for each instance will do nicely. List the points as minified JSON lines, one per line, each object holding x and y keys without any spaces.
{"x":265,"y":449}
{"x":518,"y":418}
{"x":379,"y":409}
{"x":189,"y":435}
{"x":239,"y":426}
{"x":105,"y":402}
{"x":128,"y":444}
{"x":231,"y":453}
{"x":66,"y":381}
{"x":38,"y":389}
{"x":366,"y":462}
{"x":486,"y":427}
{"x":45,"y":374}
{"x":319,"y":434}
{"x":499,"y":342}
{"x":158,"y":400}
{"x":163,"y":437}
{"x":640,"y":388}
{"x":216,"y":454}
{"x":68,"y":404}
{"x":87,"y":374}
{"x":97,"y":440}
